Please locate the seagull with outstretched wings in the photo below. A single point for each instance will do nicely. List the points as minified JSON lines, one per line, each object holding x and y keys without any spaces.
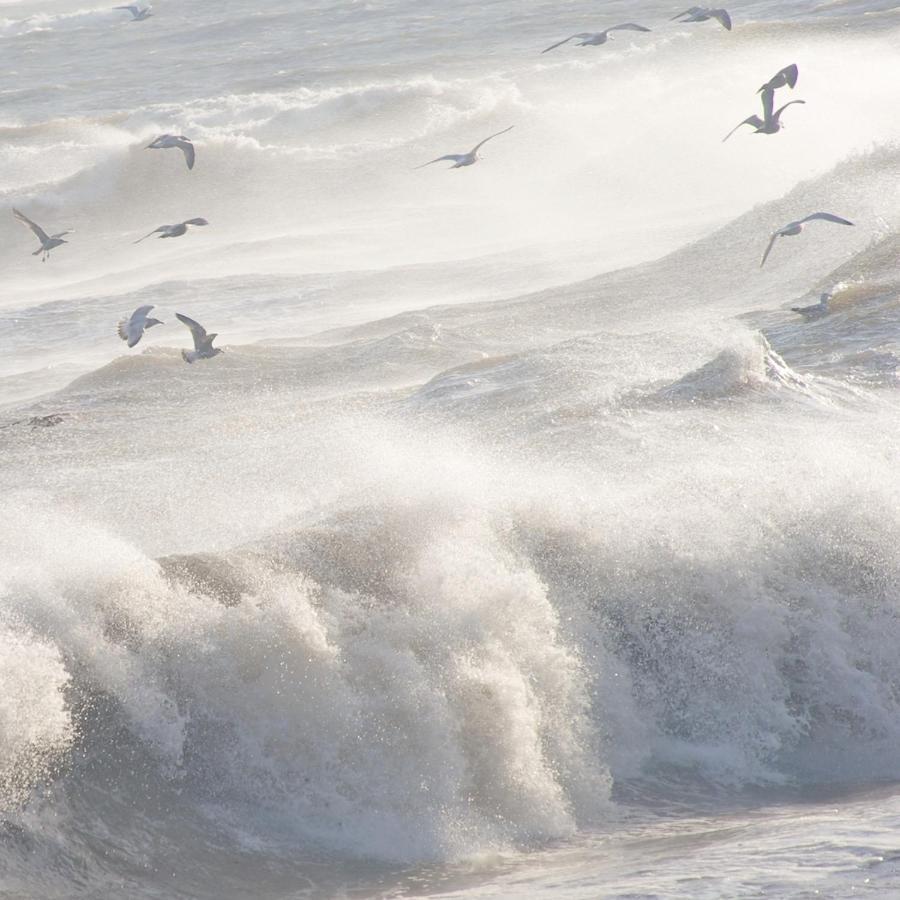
{"x":793,"y":228}
{"x":465,"y":159}
{"x":203,"y":348}
{"x":48,"y":241}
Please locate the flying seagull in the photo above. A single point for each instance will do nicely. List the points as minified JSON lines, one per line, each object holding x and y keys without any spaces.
{"x":48,"y":242}
{"x":138,"y":13}
{"x":595,"y":38}
{"x":770,"y":124}
{"x":465,"y":159}
{"x":168,"y":141}
{"x":173,"y":231}
{"x":793,"y":228}
{"x":132,"y":329}
{"x":703,"y":14}
{"x":816,"y":311}
{"x":203,"y":348}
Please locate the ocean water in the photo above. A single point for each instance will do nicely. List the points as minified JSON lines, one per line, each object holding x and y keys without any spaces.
{"x":523,"y":542}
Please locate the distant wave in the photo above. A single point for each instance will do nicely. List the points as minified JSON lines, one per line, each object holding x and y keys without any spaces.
{"x":54,"y":21}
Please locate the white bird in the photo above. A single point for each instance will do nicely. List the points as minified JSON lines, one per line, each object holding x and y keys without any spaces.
{"x":770,"y":123}
{"x":48,"y":242}
{"x":704,"y":14}
{"x":173,"y":231}
{"x":138,"y":13}
{"x":465,"y":159}
{"x":203,"y":348}
{"x":595,"y":38}
{"x":816,"y":311}
{"x":168,"y":141}
{"x":793,"y":228}
{"x":132,"y":329}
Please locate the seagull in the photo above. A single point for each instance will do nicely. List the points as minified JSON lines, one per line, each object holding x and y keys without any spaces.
{"x":595,"y":38}
{"x":203,"y":348}
{"x":770,"y":124}
{"x":48,"y":242}
{"x":816,"y":311}
{"x":132,"y":329}
{"x":173,"y":231}
{"x":465,"y":159}
{"x":703,"y":14}
{"x":168,"y":141}
{"x":793,"y":228}
{"x":138,"y":13}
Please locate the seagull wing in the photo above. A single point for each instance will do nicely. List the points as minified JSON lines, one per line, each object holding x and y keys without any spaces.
{"x":722,"y":16}
{"x":790,"y":74}
{"x":768,"y":101}
{"x":826,"y":217}
{"x":687,"y":12}
{"x":455,"y":157}
{"x":195,"y":222}
{"x":628,"y":26}
{"x":39,"y":232}
{"x":198,"y":332}
{"x":755,"y":121}
{"x":478,"y":146}
{"x":564,"y":41}
{"x":140,"y":313}
{"x":187,"y":148}
{"x":155,"y":231}
{"x":134,"y":10}
{"x":779,"y":111}
{"x":785,"y":76}
{"x":769,"y":248}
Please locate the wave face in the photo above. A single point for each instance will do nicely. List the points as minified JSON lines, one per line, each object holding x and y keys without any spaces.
{"x":521,"y":506}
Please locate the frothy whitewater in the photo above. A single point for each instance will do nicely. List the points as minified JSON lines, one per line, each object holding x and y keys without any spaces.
{"x":523,"y":542}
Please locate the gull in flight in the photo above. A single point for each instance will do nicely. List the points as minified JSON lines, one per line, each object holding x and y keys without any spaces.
{"x":138,"y":13}
{"x":48,"y":242}
{"x":173,"y":231}
{"x":132,"y":329}
{"x":595,"y":38}
{"x":703,"y":14}
{"x":793,"y":228}
{"x":168,"y":141}
{"x":816,"y":311}
{"x":203,"y":348}
{"x":770,"y":123}
{"x":465,"y":159}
